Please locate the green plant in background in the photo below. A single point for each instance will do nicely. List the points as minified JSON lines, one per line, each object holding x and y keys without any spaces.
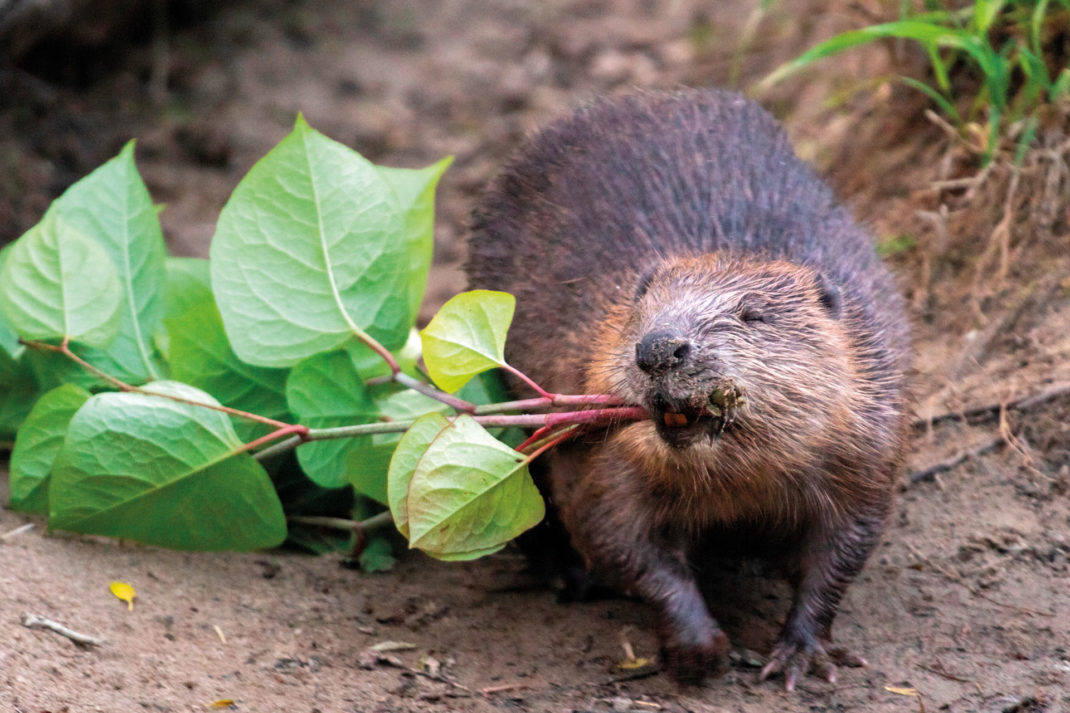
{"x":1005,"y":44}
{"x":157,"y":398}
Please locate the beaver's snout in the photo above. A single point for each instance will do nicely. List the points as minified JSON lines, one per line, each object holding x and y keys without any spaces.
{"x":661,"y":351}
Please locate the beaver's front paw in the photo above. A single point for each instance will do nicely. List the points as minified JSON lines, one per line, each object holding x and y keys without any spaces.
{"x":691,"y":656}
{"x":795,"y":659}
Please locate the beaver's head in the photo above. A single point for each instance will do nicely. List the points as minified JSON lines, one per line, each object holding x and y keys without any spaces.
{"x":719,"y":347}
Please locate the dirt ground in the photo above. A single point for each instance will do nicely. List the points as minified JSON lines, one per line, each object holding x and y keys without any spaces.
{"x":965,"y":606}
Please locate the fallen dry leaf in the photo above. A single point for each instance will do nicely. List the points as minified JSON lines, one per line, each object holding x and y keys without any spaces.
{"x":125,"y":592}
{"x":631,"y":664}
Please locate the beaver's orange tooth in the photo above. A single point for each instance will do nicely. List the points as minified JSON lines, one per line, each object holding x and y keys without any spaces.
{"x":675,"y":419}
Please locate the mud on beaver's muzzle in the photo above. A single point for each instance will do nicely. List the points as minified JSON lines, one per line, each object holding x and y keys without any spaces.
{"x":682,"y":421}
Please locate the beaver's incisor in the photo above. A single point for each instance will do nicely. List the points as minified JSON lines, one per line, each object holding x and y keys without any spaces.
{"x":672,"y":250}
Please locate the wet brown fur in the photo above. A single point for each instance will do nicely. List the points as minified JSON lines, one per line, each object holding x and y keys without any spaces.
{"x":688,"y":211}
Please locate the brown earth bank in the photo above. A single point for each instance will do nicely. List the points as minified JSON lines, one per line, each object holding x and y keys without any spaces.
{"x":965,"y":606}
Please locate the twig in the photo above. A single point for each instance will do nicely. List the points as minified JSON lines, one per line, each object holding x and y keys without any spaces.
{"x":527,"y":380}
{"x":32,"y":621}
{"x":533,"y":420}
{"x":1015,"y":607}
{"x":16,"y":532}
{"x":1022,"y":403}
{"x":300,"y":433}
{"x":488,"y":690}
{"x":65,"y":350}
{"x":431,"y":392}
{"x":926,"y":475}
{"x":279,"y":448}
{"x":540,"y":403}
{"x":944,"y":674}
{"x":340,"y":523}
{"x":549,"y":443}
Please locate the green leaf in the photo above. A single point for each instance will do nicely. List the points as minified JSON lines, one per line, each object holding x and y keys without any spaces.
{"x":10,"y":349}
{"x":58,"y":283}
{"x":309,"y":252}
{"x":326,"y":391}
{"x":467,"y":337}
{"x":368,"y":463}
{"x":188,"y":283}
{"x":409,"y":451}
{"x":201,"y":356}
{"x":52,"y":369}
{"x":368,"y":460}
{"x":164,"y":473}
{"x":18,"y":392}
{"x":112,"y":206}
{"x":377,"y":556}
{"x":37,"y":445}
{"x":469,"y":494}
{"x":370,"y":365}
{"x":415,"y":191}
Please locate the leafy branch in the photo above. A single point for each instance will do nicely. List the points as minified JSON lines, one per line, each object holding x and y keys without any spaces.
{"x":151,"y":397}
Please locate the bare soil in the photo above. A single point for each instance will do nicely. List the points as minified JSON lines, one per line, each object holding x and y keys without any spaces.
{"x":965,"y":606}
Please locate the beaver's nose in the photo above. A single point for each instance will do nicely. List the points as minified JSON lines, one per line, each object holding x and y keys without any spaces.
{"x":661,"y":351}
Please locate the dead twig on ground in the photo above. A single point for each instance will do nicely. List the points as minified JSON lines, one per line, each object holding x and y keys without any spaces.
{"x":490,"y":690}
{"x":16,"y":532}
{"x":944,"y":674}
{"x":32,"y":621}
{"x":988,"y":411}
{"x":929,"y":474}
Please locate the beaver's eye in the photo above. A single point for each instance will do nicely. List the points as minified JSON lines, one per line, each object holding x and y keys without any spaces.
{"x":750,"y":315}
{"x":644,"y":283}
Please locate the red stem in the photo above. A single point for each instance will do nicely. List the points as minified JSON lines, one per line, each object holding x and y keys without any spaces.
{"x":527,"y":380}
{"x":301,"y":431}
{"x":607,"y":415}
{"x":541,"y":402}
{"x":551,"y":443}
{"x":534,"y":438}
{"x":382,"y":351}
{"x":64,"y":349}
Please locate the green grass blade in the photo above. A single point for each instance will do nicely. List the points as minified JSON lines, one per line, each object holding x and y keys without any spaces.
{"x":1025,"y":140}
{"x":1061,"y":86}
{"x":939,"y":99}
{"x":1035,"y":23}
{"x":926,"y":33}
{"x":939,"y":69}
{"x":985,"y":12}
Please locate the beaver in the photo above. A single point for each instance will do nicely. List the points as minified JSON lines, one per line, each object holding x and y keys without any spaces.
{"x":672,"y":250}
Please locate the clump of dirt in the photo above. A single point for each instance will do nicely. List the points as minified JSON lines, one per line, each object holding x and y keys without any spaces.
{"x":962,"y":608}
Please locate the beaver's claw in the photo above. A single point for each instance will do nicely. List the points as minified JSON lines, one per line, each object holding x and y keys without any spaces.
{"x":794,"y":660}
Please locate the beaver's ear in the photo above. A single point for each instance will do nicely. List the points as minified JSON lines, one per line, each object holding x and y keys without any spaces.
{"x":828,"y":293}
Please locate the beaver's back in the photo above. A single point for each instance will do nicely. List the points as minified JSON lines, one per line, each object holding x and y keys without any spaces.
{"x":598,"y":198}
